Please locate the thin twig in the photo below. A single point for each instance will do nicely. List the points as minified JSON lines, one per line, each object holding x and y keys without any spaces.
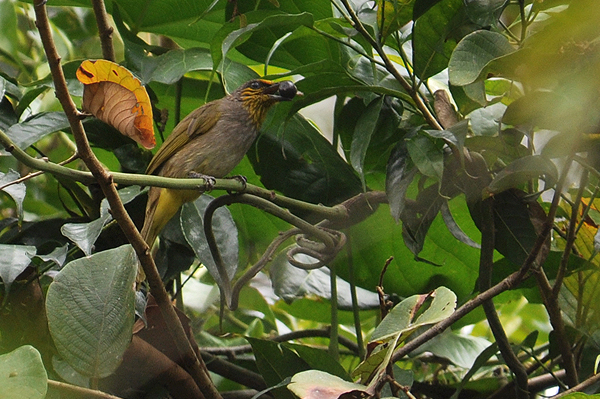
{"x":594,"y":379}
{"x":357,"y":24}
{"x":189,"y":360}
{"x":79,"y":392}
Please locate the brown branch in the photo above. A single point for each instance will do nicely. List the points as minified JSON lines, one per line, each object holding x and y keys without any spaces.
{"x":191,"y":363}
{"x":79,"y":392}
{"x":105,"y":31}
{"x":580,"y":387}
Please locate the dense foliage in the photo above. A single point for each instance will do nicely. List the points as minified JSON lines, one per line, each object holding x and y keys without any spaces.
{"x":441,"y":172}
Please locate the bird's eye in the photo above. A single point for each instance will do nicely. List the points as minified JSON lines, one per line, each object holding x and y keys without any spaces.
{"x":255,"y":85}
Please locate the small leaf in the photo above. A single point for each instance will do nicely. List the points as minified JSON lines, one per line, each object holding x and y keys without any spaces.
{"x":16,"y":191}
{"x":90,"y":307}
{"x":22,"y":374}
{"x":58,"y":255}
{"x":315,"y":384}
{"x":112,"y":94}
{"x":522,"y":171}
{"x":13,"y":260}
{"x":473,"y":53}
{"x":84,"y":235}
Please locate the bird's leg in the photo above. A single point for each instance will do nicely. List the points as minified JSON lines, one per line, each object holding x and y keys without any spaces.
{"x":241,"y":179}
{"x":209,"y":181}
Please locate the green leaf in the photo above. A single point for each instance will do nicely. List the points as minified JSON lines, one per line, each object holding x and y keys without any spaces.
{"x":282,"y":23}
{"x":485,"y":12}
{"x":224,"y":230}
{"x":275,"y":363}
{"x":315,"y":383}
{"x":402,"y":320}
{"x":431,"y":37}
{"x":474,"y":53}
{"x":90,"y":307}
{"x":13,"y":260}
{"x":35,"y":128}
{"x":364,"y":129}
{"x":22,"y":374}
{"x":168,"y":68}
{"x":522,"y":171}
{"x":15,"y":191}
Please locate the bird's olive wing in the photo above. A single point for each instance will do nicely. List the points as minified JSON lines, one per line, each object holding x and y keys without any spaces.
{"x":198,"y":122}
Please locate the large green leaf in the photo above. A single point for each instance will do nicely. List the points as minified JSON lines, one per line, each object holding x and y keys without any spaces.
{"x":22,"y":374}
{"x":485,"y":12}
{"x":30,"y":131}
{"x":302,"y":164}
{"x":90,"y":307}
{"x":378,"y":237}
{"x":522,"y":171}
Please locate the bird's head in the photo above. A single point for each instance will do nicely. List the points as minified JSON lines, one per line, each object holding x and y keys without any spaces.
{"x":259,"y":95}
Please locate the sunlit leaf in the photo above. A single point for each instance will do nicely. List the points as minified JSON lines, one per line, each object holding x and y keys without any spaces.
{"x":315,"y":384}
{"x":22,"y":374}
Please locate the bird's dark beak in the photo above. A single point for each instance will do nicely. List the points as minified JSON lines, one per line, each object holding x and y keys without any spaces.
{"x":281,"y":91}
{"x":273,"y":92}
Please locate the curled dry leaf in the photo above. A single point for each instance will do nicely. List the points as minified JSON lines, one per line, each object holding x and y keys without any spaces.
{"x":112,"y":94}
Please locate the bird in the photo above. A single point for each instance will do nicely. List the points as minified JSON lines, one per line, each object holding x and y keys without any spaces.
{"x":209,"y":141}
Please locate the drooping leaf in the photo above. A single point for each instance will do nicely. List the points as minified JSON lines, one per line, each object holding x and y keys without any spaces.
{"x":364,"y":129}
{"x":25,"y":133}
{"x":225,"y":231}
{"x":400,"y":173}
{"x":90,"y":307}
{"x":22,"y":374}
{"x":13,"y":260}
{"x":112,"y":94}
{"x":58,"y":255}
